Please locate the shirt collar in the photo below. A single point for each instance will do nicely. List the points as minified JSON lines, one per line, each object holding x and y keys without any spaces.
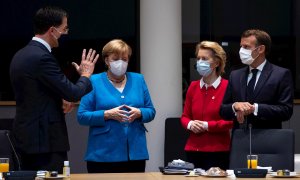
{"x":43,"y":42}
{"x":260,"y":67}
{"x":215,"y":84}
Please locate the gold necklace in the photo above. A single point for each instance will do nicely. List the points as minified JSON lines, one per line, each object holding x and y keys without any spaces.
{"x":116,"y":81}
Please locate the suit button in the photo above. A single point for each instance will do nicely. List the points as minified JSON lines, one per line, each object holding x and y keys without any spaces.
{"x":122,"y":97}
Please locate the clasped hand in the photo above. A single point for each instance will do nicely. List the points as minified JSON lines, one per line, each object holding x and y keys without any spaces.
{"x":123,"y":113}
{"x":243,"y":109}
{"x":87,"y":65}
{"x":197,"y":126}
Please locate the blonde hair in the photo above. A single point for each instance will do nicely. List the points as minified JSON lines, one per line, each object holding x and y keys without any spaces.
{"x":218,"y":52}
{"x":116,"y":46}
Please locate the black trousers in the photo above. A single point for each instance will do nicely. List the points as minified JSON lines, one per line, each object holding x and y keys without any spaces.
{"x":206,"y":160}
{"x":116,"y":167}
{"x":53,"y":161}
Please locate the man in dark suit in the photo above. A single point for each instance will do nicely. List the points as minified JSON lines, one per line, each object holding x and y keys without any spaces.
{"x":263,"y":96}
{"x":40,"y":89}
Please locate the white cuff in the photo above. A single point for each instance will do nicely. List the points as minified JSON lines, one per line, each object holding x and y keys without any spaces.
{"x":205,"y":125}
{"x":233,"y":109}
{"x":189,"y":125}
{"x":255,"y":109}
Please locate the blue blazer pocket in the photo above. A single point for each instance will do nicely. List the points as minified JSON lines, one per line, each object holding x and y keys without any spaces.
{"x":142,"y":126}
{"x":101,"y":130}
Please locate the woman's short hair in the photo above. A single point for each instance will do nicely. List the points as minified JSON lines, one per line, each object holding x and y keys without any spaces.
{"x":218,"y":53}
{"x":116,"y":46}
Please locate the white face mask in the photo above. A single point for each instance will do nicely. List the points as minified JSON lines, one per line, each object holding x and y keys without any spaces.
{"x":246,"y":56}
{"x":119,"y":67}
{"x":203,"y":67}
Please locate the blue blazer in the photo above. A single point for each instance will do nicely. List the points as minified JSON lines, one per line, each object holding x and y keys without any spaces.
{"x":39,"y":86}
{"x":110,"y":140}
{"x":274,"y":94}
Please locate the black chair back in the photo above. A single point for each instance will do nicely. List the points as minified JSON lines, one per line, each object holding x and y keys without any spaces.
{"x":274,"y":147}
{"x":175,"y":140}
{"x":6,"y":124}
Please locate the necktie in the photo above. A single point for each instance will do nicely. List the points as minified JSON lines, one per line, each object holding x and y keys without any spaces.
{"x":251,"y":84}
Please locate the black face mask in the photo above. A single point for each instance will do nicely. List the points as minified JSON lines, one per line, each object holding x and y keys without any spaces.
{"x":63,"y":40}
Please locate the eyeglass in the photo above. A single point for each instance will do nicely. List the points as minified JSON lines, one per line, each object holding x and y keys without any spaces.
{"x":65,"y":31}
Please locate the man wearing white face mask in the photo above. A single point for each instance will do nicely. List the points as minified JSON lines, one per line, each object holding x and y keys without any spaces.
{"x":260,"y":93}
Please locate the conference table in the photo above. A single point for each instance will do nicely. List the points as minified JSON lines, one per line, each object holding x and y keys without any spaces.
{"x":154,"y":176}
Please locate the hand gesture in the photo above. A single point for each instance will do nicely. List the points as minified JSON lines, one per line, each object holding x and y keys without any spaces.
{"x":87,"y":65}
{"x":243,"y":109}
{"x":197,"y":126}
{"x":116,"y":114}
{"x":67,"y":106}
{"x":133,"y":113}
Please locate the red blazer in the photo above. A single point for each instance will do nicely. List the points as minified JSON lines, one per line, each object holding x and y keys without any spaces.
{"x":204,"y":104}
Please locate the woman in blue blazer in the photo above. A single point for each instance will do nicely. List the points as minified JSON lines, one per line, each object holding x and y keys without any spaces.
{"x":116,"y":110}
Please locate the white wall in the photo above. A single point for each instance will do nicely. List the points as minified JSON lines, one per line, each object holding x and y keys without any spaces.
{"x":161,"y":64}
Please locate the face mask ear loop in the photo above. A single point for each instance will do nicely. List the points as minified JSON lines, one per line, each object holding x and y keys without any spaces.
{"x":254,"y":50}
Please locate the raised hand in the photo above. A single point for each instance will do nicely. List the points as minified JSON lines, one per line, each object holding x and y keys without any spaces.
{"x":88,"y":61}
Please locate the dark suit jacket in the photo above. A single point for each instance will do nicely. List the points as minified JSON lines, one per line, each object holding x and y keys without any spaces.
{"x":273,"y":93}
{"x":39,"y":86}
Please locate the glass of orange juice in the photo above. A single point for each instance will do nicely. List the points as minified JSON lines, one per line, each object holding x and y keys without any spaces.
{"x":4,"y":165}
{"x":252,"y":161}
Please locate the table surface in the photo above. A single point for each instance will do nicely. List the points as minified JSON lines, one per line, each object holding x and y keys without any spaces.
{"x":153,"y":176}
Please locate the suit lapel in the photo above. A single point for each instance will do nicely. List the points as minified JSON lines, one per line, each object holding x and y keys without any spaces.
{"x":262,"y":78}
{"x":243,"y":82}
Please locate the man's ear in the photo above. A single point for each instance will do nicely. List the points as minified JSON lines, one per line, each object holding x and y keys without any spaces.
{"x":262,"y":49}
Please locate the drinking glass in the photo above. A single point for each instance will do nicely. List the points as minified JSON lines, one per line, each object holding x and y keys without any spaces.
{"x":4,"y":165}
{"x":252,"y":161}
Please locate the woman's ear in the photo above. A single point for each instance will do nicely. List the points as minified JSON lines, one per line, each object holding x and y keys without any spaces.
{"x":106,"y":61}
{"x":216,"y":63}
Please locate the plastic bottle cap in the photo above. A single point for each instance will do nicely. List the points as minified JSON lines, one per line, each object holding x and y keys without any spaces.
{"x":66,"y":163}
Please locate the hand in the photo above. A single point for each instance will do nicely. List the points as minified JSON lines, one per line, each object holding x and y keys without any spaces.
{"x":197,"y":126}
{"x":245,"y":107}
{"x":240,"y":117}
{"x":87,"y":64}
{"x":117,"y":114}
{"x":67,"y":106}
{"x":133,"y":113}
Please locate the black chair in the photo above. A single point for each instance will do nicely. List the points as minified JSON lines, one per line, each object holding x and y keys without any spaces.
{"x":7,"y":150}
{"x":6,"y":124}
{"x":175,"y":140}
{"x":274,"y":147}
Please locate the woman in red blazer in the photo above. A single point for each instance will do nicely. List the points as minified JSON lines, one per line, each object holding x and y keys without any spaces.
{"x":209,"y":140}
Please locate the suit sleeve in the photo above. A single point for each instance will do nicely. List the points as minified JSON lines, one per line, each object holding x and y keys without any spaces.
{"x":148,"y":111}
{"x":283,"y":108}
{"x":51,"y":76}
{"x":226,"y":111}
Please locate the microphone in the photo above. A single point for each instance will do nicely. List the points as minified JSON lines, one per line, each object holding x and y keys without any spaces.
{"x":13,"y":148}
